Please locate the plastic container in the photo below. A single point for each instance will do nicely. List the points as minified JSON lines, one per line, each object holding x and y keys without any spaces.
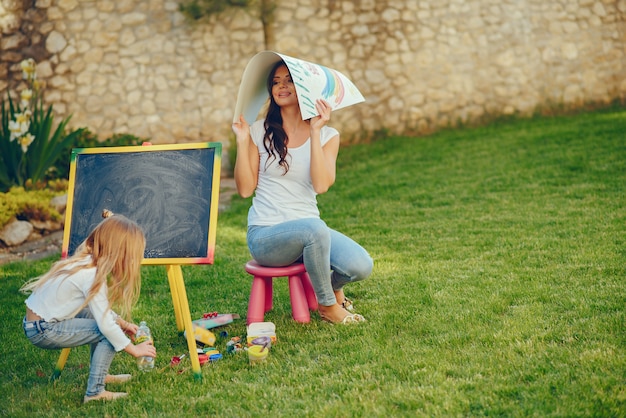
{"x":202,"y":358}
{"x":261,"y":329}
{"x":264,"y":341}
{"x":203,"y":336}
{"x":146,"y":363}
{"x":257,"y":354}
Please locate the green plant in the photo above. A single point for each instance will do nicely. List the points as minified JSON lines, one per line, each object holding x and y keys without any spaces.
{"x":197,"y":9}
{"x":88,"y":139}
{"x":232,"y":151}
{"x":28,"y":144}
{"x":27,"y":205}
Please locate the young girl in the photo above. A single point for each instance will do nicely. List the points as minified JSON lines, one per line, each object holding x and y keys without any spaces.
{"x":71,"y":305}
{"x":286,"y":162}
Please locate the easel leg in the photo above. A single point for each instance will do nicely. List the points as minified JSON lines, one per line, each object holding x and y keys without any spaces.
{"x":181,"y":304}
{"x":60,"y":363}
{"x":171,"y":277}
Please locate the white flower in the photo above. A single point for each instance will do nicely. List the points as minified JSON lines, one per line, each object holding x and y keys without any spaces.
{"x":17,"y":128}
{"x":28,"y":69}
{"x":22,"y":117}
{"x":25,"y":141}
{"x":26,"y":96}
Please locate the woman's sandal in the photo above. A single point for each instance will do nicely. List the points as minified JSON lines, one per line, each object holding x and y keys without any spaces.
{"x":352,"y":319}
{"x":347,"y":304}
{"x":348,"y":319}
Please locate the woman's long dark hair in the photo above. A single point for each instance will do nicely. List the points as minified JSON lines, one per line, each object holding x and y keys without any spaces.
{"x":275,"y":139}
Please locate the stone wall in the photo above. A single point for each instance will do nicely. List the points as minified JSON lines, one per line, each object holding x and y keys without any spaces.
{"x":136,"y":66}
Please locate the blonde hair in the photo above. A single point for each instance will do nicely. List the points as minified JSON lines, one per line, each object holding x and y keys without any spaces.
{"x":116,"y":247}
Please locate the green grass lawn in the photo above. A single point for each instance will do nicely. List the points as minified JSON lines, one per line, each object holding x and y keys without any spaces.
{"x":498,"y":289}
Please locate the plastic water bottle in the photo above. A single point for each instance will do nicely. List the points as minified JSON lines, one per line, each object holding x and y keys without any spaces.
{"x":145,"y":363}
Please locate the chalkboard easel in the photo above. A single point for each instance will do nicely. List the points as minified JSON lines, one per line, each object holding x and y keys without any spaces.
{"x":171,"y":191}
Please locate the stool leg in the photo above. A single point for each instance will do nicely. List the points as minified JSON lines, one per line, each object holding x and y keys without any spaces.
{"x":299,"y":304}
{"x":256,"y":304}
{"x":269,"y":293}
{"x":308,"y":291}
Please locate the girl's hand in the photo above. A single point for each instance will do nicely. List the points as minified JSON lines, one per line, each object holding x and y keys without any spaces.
{"x":131,"y":329}
{"x":146,"y":348}
{"x":324,"y":109}
{"x":241,"y":129}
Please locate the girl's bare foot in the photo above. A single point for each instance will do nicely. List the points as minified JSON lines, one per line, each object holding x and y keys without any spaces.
{"x":105,"y":395}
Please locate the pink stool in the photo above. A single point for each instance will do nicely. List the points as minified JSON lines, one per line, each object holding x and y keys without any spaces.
{"x":300,"y":291}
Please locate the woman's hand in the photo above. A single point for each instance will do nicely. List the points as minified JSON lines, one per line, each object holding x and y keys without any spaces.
{"x":324,"y":109}
{"x":247,"y":159}
{"x":323,"y":159}
{"x":241,"y":130}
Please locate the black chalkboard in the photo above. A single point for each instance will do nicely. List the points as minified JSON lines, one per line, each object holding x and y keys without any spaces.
{"x":171,"y":191}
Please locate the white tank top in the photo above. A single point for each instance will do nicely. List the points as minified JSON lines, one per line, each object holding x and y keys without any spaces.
{"x":283,"y":197}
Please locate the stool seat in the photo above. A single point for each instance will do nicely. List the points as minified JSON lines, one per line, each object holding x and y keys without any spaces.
{"x":253,"y":267}
{"x":301,"y":291}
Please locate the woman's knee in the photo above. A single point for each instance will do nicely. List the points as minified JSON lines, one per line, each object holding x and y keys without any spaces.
{"x":362,"y":268}
{"x":366,"y":267}
{"x":317,"y":230}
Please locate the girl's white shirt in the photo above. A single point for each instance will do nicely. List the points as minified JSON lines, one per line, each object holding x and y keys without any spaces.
{"x":281,"y":197}
{"x":58,"y":299}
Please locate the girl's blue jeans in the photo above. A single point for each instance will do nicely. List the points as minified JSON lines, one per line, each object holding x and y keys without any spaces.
{"x":80,"y":330}
{"x":331,"y":258}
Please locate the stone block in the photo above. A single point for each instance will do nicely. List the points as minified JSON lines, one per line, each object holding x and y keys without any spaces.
{"x":59,"y":203}
{"x":16,"y":41}
{"x":16,"y":232}
{"x":55,"y":42}
{"x":9,"y":23}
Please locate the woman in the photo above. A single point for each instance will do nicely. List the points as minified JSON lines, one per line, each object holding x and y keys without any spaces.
{"x":286,"y":162}
{"x":71,"y":305}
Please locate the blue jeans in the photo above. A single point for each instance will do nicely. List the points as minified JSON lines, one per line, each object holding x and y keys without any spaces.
{"x":80,"y":330}
{"x":331,"y":258}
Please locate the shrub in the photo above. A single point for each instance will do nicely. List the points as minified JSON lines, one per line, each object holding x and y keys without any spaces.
{"x":87,"y":139}
{"x":196,"y":9}
{"x":28,"y":205}
{"x":28,"y":145}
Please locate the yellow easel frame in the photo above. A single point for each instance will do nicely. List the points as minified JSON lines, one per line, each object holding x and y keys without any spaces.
{"x":183,"y":317}
{"x":174,"y":271}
